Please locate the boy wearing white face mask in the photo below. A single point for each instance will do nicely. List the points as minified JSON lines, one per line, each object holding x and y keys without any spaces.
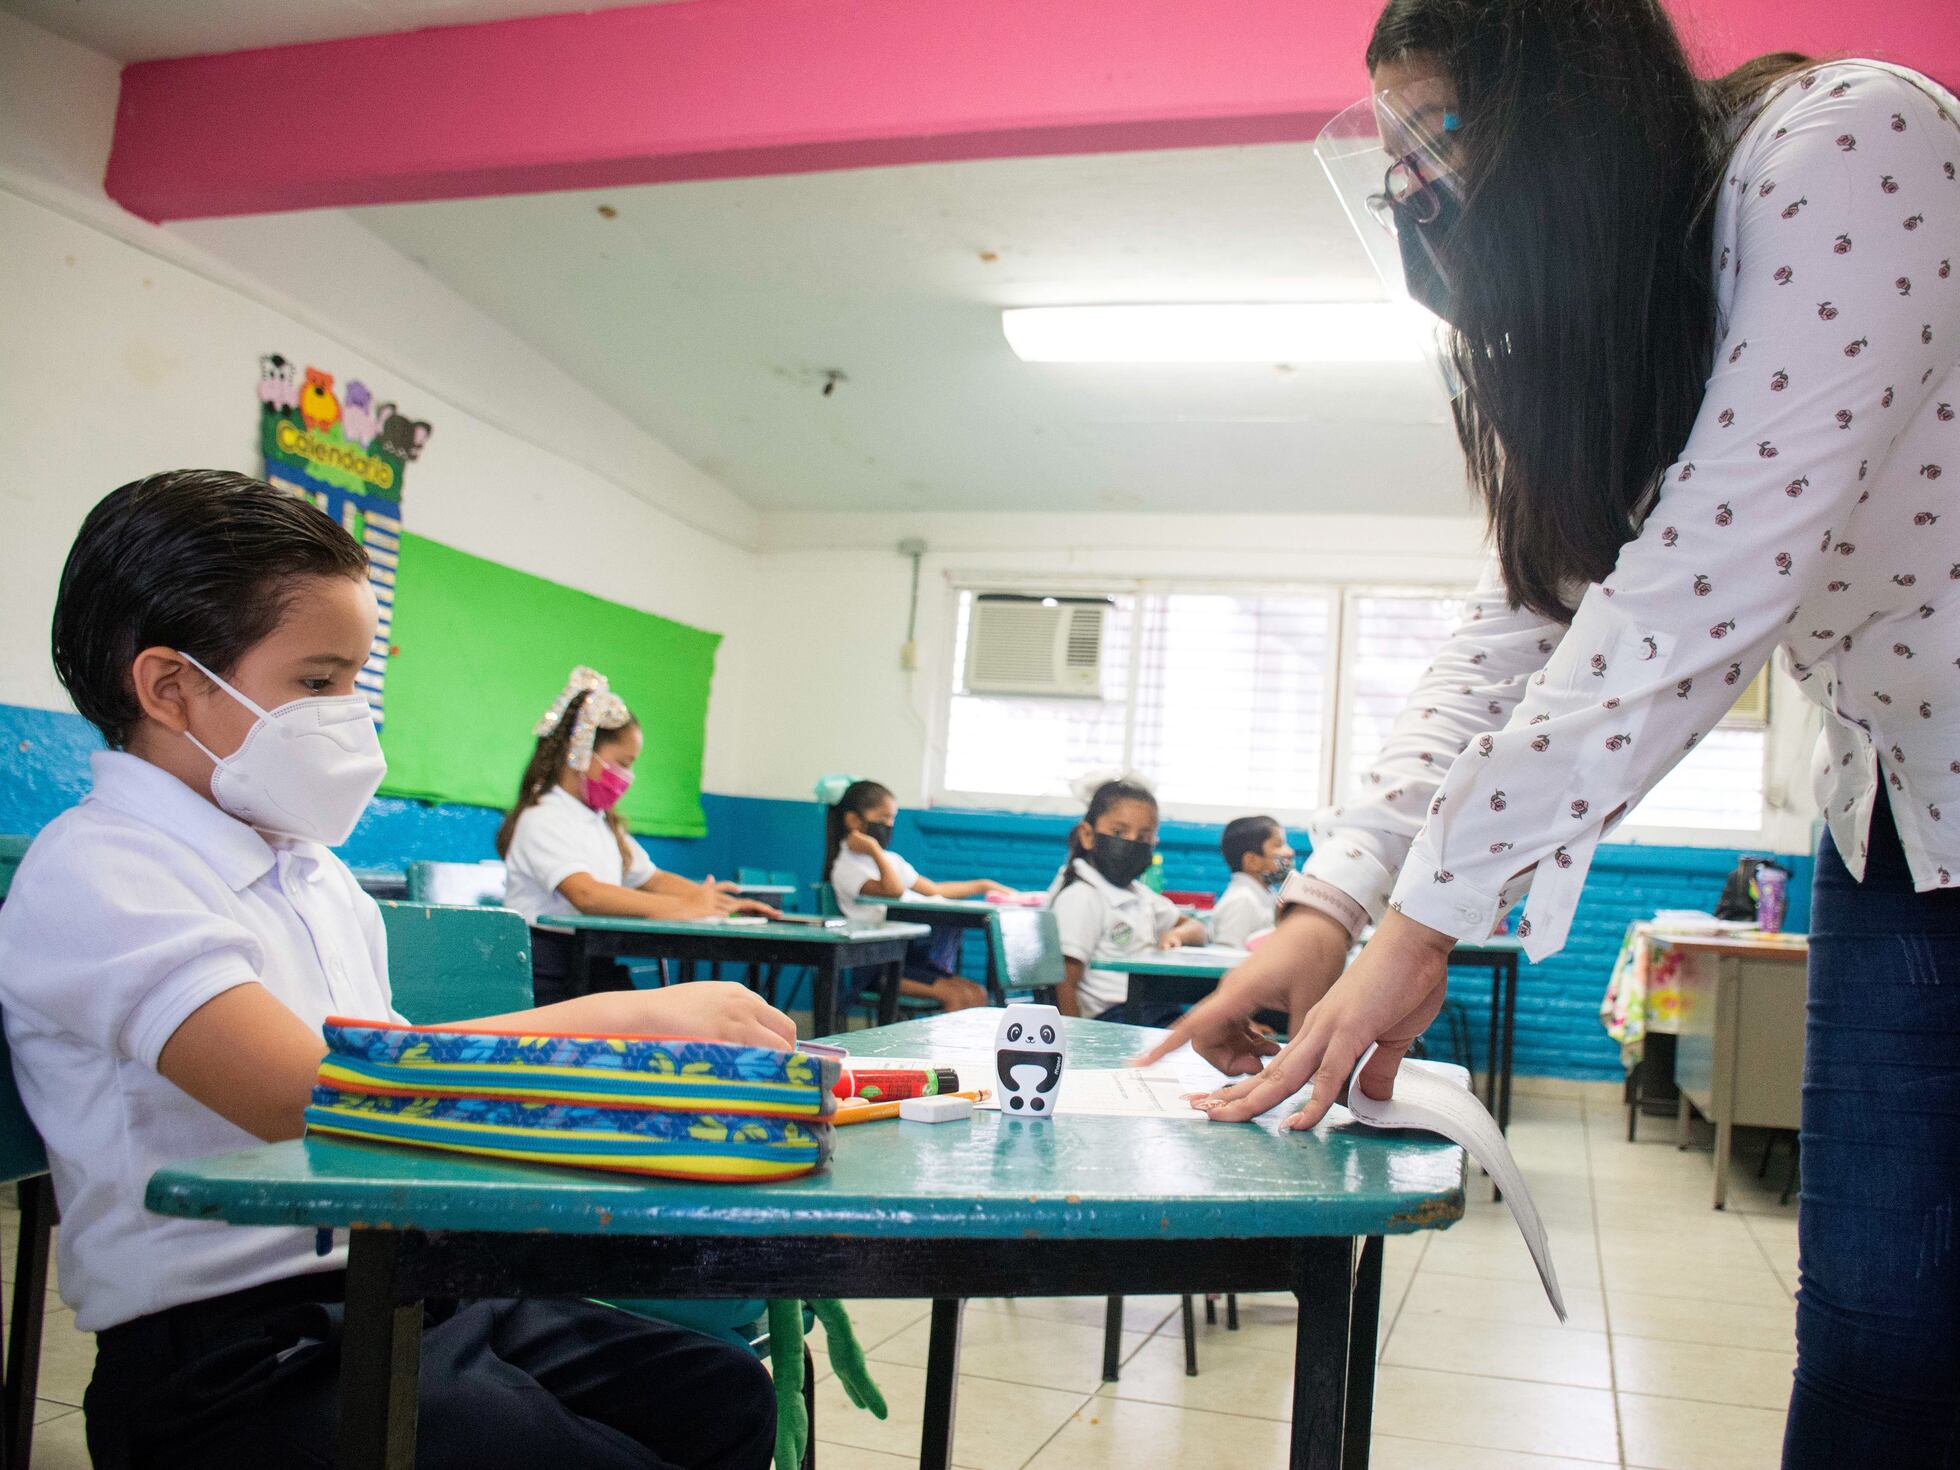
{"x":568,"y":852}
{"x":168,"y":952}
{"x":1260,"y":857}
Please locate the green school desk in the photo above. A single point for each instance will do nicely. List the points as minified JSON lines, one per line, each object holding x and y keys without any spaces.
{"x":1187,"y":976}
{"x":831,"y":953}
{"x":995,"y":1207}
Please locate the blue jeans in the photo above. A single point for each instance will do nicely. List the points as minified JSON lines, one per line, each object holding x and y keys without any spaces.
{"x":1878,"y":1306}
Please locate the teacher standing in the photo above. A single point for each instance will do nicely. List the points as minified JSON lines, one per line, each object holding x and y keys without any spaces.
{"x":1706,"y":337}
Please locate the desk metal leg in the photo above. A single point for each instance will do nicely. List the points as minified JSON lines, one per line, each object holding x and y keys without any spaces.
{"x":1321,"y":1345}
{"x":1510,"y":1042}
{"x":30,"y":1265}
{"x":1496,"y":1045}
{"x":1113,"y":1339}
{"x":823,"y":996}
{"x":1361,"y":1354}
{"x":996,"y":976}
{"x":942,"y":1385}
{"x":380,"y":1360}
{"x":889,"y":979}
{"x":580,"y":980}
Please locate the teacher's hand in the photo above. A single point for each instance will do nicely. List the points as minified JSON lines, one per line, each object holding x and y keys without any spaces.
{"x":1389,"y":995}
{"x":1288,"y":974}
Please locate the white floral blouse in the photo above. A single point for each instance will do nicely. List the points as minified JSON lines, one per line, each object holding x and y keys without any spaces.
{"x":1808,"y":509}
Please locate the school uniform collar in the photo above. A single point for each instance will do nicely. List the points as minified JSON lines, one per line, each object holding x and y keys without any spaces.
{"x":1246,"y":880}
{"x":1086,"y":870}
{"x":134,"y":787}
{"x":573,"y":807}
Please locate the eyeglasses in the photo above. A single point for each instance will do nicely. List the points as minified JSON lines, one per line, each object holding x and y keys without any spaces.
{"x":1406,"y":191}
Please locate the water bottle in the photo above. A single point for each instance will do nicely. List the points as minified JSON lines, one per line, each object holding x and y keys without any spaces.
{"x":1772,"y":895}
{"x":1153,"y":877}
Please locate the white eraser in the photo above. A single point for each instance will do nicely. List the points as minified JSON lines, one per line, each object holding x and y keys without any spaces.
{"x":935,"y":1109}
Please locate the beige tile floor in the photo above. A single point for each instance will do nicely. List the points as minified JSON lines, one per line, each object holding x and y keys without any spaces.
{"x":1677,"y":1356}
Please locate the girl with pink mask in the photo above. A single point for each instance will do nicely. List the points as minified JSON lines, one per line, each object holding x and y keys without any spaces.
{"x":567,"y":850}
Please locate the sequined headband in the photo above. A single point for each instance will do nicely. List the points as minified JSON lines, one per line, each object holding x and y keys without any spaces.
{"x":602,"y":710}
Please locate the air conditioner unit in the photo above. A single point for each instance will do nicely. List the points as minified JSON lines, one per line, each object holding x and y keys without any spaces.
{"x":1036,"y":645}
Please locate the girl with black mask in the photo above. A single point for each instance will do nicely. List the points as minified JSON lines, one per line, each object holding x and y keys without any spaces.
{"x":1105,"y":912}
{"x":861,"y":869}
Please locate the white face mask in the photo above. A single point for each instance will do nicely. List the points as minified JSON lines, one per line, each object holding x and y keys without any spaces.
{"x":307,"y":769}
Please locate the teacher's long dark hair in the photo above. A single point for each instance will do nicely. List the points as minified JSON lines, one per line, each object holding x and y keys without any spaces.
{"x":1583,"y":296}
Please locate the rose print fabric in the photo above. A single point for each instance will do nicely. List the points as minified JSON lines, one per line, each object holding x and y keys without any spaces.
{"x":1809,"y":509}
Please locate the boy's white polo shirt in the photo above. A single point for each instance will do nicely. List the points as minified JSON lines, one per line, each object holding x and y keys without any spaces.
{"x":1100,"y":922}
{"x":129,"y":912}
{"x":1243,"y":909}
{"x":556,"y":837}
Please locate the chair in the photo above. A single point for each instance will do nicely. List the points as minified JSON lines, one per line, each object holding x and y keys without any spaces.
{"x":1027,"y":947}
{"x":456,"y":964}
{"x":24,"y":1163}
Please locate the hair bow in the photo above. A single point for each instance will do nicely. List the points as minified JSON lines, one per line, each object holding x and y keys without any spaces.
{"x":601,"y":709}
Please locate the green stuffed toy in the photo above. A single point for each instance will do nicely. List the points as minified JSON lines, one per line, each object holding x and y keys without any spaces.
{"x":786,"y":1362}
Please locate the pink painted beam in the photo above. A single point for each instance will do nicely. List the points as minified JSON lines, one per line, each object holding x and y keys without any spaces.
{"x":719,"y":89}
{"x":738,"y":88}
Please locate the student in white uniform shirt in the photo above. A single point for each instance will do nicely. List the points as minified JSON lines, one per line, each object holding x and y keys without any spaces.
{"x":1106,"y":914}
{"x":568,"y":852}
{"x":1260,"y":857}
{"x":168,"y":952}
{"x":862,"y":868}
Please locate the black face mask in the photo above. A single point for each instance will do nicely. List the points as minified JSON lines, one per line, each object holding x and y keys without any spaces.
{"x":1419,"y":242}
{"x":1122,"y":860}
{"x":878,"y":832}
{"x":1276,"y":879}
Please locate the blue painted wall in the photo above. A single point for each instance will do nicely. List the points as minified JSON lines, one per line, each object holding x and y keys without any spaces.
{"x":44,"y":758}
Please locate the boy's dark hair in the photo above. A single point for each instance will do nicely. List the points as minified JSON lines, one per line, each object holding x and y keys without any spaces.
{"x":1107,"y":795}
{"x":861,"y":797}
{"x":1245,"y":836}
{"x":541,"y":774}
{"x":196,"y":560}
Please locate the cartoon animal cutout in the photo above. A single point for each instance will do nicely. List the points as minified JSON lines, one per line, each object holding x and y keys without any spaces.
{"x":1028,"y":1054}
{"x":317,"y":405}
{"x":400,"y":436}
{"x":357,"y":420}
{"x":278,"y":384}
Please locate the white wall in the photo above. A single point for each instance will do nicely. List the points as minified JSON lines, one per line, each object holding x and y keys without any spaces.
{"x":129,"y":349}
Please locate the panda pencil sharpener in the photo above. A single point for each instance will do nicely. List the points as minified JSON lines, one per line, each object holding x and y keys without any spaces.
{"x":1028,"y":1052}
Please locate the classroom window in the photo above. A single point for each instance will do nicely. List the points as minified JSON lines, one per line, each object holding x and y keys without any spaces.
{"x":1219,"y":696}
{"x":1718,"y":785}
{"x":1262,"y":700}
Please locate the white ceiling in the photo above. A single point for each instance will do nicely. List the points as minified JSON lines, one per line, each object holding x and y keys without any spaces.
{"x":143,"y":30}
{"x":711,"y":314}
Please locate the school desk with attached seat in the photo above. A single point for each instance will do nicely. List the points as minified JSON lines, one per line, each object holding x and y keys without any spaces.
{"x":447,"y":964}
{"x":973,"y":915}
{"x":991,"y":1207}
{"x":832,"y":953}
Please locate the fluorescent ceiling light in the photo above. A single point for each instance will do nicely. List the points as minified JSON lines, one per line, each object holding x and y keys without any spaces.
{"x":1289,"y":332}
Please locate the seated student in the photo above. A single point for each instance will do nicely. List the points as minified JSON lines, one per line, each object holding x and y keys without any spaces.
{"x":1260,"y":857}
{"x":168,"y":953}
{"x":568,"y":852}
{"x":861,"y":869}
{"x":1106,"y":914}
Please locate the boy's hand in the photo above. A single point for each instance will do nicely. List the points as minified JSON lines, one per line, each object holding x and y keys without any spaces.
{"x":716,"y":1010}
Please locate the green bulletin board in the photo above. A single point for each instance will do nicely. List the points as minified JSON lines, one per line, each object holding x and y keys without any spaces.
{"x":481,"y":650}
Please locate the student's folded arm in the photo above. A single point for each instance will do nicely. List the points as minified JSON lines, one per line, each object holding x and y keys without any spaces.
{"x":1752,"y":537}
{"x":1468,"y":690}
{"x":248,"y":1058}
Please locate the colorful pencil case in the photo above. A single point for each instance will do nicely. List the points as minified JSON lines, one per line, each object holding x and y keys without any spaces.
{"x":642,"y":1104}
{"x":606,"y":1071}
{"x":633,"y":1140}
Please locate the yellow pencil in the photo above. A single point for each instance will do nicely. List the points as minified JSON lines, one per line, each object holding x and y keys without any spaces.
{"x":873,"y":1112}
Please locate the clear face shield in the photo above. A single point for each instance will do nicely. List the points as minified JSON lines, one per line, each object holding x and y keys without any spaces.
{"x":1393,"y":161}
